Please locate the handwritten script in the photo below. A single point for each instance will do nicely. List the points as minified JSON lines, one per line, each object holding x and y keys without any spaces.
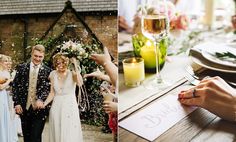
{"x":156,"y":118}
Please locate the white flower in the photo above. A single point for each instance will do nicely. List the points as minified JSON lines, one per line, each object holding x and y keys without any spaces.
{"x":74,"y":49}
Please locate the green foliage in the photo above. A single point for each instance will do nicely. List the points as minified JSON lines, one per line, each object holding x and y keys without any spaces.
{"x":226,"y":55}
{"x":190,"y":41}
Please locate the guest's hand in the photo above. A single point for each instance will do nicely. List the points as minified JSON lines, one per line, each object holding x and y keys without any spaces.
{"x":18,"y":109}
{"x":101,"y":59}
{"x":213,"y":94}
{"x":110,"y":106}
{"x":38,"y":105}
{"x":98,"y":74}
{"x":104,"y":89}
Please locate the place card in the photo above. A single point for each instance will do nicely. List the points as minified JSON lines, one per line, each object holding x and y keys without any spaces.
{"x":156,"y":118}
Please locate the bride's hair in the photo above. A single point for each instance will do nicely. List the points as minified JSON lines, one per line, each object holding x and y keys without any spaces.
{"x":60,"y":56}
{"x":2,"y":58}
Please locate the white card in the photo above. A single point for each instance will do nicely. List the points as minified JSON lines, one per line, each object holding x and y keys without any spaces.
{"x":155,"y":119}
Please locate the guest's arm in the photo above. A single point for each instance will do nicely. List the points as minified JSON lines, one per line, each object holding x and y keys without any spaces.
{"x":99,"y":75}
{"x":105,"y":60}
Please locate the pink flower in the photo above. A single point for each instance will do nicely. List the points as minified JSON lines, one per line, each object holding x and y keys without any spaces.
{"x":170,"y":9}
{"x":177,"y":21}
{"x":180,"y":22}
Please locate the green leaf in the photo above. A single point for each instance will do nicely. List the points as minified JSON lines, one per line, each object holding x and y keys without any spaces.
{"x":225,"y":55}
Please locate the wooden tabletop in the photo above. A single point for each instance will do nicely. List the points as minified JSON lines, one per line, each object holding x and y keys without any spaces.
{"x":200,"y":125}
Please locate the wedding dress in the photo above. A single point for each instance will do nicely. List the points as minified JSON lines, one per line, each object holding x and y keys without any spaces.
{"x":64,"y":120}
{"x":5,"y":132}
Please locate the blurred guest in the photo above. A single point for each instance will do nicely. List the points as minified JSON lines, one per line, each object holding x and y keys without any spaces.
{"x":5,"y":121}
{"x":110,"y":100}
{"x":126,"y":14}
{"x":13,"y":116}
{"x":189,"y":8}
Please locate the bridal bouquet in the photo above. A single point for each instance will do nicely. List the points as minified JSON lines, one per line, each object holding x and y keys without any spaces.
{"x":3,"y":80}
{"x":74,"y":49}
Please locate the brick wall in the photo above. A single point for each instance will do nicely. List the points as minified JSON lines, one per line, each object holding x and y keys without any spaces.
{"x":12,"y":32}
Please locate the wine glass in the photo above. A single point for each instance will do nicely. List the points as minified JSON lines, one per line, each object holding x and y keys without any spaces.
{"x":155,"y":26}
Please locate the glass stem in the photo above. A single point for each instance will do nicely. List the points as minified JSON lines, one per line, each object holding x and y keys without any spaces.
{"x":158,"y":75}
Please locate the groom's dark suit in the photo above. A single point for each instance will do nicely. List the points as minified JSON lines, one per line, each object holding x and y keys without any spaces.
{"x":32,"y":120}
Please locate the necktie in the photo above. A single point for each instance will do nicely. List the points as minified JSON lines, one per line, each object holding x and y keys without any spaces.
{"x":32,"y":87}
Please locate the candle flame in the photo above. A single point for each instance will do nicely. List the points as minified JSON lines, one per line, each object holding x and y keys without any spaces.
{"x":133,"y":60}
{"x":148,"y":43}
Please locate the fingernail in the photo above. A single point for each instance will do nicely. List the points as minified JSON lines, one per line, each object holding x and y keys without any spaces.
{"x":181,"y":95}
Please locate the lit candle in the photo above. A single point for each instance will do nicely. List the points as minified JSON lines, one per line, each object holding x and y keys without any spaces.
{"x":209,"y":12}
{"x":147,"y":52}
{"x":133,"y":71}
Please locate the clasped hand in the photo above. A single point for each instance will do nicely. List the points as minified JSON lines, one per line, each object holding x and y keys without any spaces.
{"x":38,"y":105}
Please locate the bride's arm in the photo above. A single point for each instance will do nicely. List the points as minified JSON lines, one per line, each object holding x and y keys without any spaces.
{"x":76,"y":74}
{"x":51,"y":94}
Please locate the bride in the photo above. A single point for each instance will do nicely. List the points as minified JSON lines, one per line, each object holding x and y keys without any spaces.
{"x":64,"y":120}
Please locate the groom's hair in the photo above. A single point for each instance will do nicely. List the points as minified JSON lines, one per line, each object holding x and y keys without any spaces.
{"x":39,"y":48}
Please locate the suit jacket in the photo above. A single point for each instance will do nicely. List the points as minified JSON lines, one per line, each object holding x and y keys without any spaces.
{"x":21,"y":84}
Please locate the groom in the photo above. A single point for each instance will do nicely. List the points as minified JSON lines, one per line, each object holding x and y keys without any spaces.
{"x":30,"y":88}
